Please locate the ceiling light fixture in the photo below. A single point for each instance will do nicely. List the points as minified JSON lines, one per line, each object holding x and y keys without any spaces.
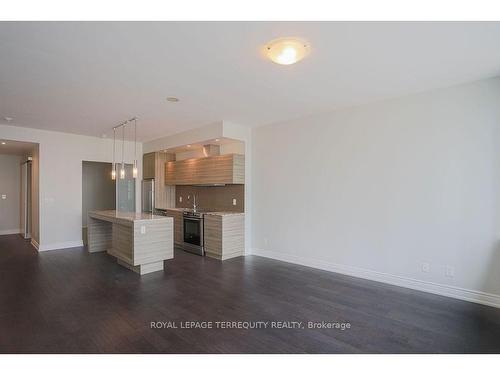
{"x":287,"y":51}
{"x":3,"y":143}
{"x":188,"y":145}
{"x":134,"y":170}
{"x":172,"y":99}
{"x":113,"y":167}
{"x":8,"y":119}
{"x":217,"y":139}
{"x":122,"y":169}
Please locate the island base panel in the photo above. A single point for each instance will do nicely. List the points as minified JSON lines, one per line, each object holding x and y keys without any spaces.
{"x":142,"y":269}
{"x":99,"y":235}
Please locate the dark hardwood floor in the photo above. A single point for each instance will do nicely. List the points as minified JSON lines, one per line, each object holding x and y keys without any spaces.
{"x":69,"y":301}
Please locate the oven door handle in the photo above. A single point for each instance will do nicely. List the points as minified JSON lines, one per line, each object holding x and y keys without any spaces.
{"x":192,"y":218}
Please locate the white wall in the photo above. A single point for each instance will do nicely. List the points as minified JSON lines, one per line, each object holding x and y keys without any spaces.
{"x":377,"y":190}
{"x":61,"y":156}
{"x":10,"y":186}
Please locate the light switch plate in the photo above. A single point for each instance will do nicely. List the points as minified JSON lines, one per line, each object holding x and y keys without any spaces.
{"x":4,"y":196}
{"x":449,"y":271}
{"x":143,"y":229}
{"x":426,"y":267}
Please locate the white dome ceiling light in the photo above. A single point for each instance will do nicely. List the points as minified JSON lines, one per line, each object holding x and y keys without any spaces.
{"x":287,"y":51}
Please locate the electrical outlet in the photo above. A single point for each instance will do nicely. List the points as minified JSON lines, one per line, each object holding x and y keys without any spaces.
{"x":180,"y":199}
{"x":449,"y":271}
{"x":234,"y":201}
{"x":426,"y":267}
{"x":143,"y":229}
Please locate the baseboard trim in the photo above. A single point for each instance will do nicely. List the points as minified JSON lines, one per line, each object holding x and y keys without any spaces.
{"x":60,"y":245}
{"x":9,"y":231}
{"x":423,"y":286}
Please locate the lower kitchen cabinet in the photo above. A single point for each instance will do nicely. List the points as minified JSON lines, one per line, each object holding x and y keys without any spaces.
{"x":224,"y":235}
{"x":178,"y":225}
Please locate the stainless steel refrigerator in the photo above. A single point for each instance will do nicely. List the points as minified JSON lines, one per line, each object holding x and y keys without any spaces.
{"x":148,"y":195}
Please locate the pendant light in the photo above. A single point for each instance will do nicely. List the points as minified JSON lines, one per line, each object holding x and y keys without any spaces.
{"x":134,"y":170}
{"x":122,"y":169}
{"x":113,"y":167}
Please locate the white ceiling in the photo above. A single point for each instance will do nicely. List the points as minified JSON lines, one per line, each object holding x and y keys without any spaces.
{"x":86,"y":77}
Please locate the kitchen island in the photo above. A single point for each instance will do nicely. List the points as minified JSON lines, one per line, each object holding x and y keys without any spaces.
{"x":139,"y":241}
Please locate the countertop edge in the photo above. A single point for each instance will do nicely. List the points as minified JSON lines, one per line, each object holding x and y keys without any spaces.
{"x":105,"y":214}
{"x":214,"y":213}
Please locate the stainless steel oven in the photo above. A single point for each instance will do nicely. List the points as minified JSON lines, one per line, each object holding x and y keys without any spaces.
{"x":193,"y":232}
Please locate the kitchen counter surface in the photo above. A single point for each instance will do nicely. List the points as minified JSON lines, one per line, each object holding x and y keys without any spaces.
{"x":225,"y":213}
{"x":114,"y":215}
{"x":216,"y":213}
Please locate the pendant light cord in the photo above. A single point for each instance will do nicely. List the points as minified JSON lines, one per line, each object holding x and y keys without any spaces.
{"x":114,"y":147}
{"x":123,"y":125}
{"x":123,"y":146}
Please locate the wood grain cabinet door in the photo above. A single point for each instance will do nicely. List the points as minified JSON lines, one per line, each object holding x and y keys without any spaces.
{"x":213,"y":236}
{"x":170,"y":173}
{"x":224,"y":236}
{"x":178,"y":225}
{"x":148,"y":166}
{"x":223,"y":169}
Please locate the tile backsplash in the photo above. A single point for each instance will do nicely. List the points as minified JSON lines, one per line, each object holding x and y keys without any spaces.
{"x":216,"y":198}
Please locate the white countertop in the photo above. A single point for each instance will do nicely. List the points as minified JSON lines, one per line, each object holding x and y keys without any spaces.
{"x":125,"y":216}
{"x":216,"y":213}
{"x":224,"y":213}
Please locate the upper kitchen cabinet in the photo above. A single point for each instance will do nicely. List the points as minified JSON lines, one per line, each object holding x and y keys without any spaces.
{"x":221,"y":169}
{"x":148,"y":166}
